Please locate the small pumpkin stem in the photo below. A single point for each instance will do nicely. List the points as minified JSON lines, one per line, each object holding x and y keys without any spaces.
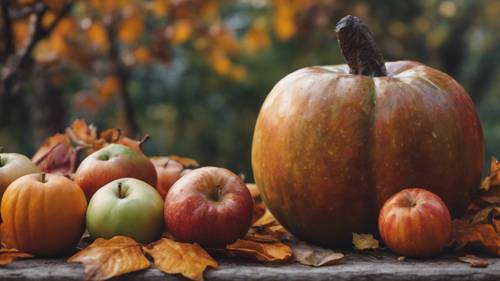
{"x":358,"y":48}
{"x":43,"y":178}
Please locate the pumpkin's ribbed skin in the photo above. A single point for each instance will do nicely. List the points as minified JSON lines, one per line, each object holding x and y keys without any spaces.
{"x":44,"y":219}
{"x":330,"y":147}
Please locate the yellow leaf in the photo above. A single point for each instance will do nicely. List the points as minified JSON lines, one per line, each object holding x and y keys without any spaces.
{"x":189,"y":260}
{"x":142,"y":55}
{"x":105,"y":259}
{"x":160,"y":7}
{"x":97,"y":35}
{"x":284,"y":22}
{"x":266,"y":220}
{"x":364,"y":241}
{"x":266,"y":252}
{"x":220,"y":62}
{"x":109,"y":87}
{"x":131,"y":28}
{"x":181,"y":31}
{"x":256,"y":38}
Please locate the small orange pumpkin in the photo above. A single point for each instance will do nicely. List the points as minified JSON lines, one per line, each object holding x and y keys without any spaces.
{"x":43,"y":214}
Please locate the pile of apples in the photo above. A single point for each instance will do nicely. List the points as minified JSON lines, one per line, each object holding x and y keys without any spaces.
{"x":117,"y":190}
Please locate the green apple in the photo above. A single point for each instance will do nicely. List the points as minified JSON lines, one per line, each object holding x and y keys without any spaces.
{"x":12,"y":167}
{"x":128,"y":207}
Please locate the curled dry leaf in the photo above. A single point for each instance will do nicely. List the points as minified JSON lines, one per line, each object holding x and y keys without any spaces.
{"x":474,"y":261}
{"x":259,"y":208}
{"x":483,"y":236}
{"x":8,"y":256}
{"x":82,"y":133}
{"x":266,"y":220}
{"x":188,"y":163}
{"x":265,"y":252}
{"x":56,"y":156}
{"x":315,"y":256}
{"x":105,"y":259}
{"x":172,"y":257}
{"x":493,"y":179}
{"x":364,"y":242}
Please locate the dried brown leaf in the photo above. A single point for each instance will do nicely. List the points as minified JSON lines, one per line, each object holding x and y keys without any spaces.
{"x":173,"y":257}
{"x":82,"y":133}
{"x":188,"y":163}
{"x":474,"y":261}
{"x":493,"y":179}
{"x":364,"y":241}
{"x":8,"y":256}
{"x":315,"y":256}
{"x":56,"y":156}
{"x":105,"y":259}
{"x":265,"y":252}
{"x":476,"y":235}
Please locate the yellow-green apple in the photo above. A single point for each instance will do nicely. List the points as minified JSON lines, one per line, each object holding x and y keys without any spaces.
{"x":128,"y":207}
{"x":168,"y":171}
{"x":415,"y":223}
{"x":112,"y":162}
{"x":12,"y":167}
{"x":210,"y":206}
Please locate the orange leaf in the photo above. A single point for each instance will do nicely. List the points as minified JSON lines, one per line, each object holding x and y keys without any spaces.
{"x":266,"y":220}
{"x":172,"y":257}
{"x":479,"y":235}
{"x":474,"y":261}
{"x":8,"y":256}
{"x":105,"y":259}
{"x":266,"y":252}
{"x":56,"y":155}
{"x":81,"y":133}
{"x":131,"y":28}
{"x":180,"y":32}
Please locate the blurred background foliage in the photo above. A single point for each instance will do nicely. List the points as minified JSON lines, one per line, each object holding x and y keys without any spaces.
{"x":193,"y":73}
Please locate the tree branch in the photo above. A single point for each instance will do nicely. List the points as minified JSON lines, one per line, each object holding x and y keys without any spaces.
{"x":122,"y":72}
{"x":16,"y":64}
{"x":7,"y":32}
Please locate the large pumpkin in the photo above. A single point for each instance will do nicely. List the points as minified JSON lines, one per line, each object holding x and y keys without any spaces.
{"x":332,"y":143}
{"x":43,"y":214}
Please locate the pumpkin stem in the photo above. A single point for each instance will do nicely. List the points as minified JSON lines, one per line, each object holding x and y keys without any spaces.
{"x":358,"y":48}
{"x":43,"y":178}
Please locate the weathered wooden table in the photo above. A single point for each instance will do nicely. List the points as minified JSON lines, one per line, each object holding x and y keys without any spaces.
{"x":355,"y":267}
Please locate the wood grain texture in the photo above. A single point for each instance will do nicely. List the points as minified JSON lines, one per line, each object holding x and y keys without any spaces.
{"x":355,"y":267}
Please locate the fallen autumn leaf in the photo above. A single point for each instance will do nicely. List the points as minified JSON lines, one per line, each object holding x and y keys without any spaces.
{"x":189,"y":260}
{"x":105,"y":259}
{"x":265,"y":252}
{"x":474,"y":261}
{"x":315,"y":256}
{"x":364,"y":242}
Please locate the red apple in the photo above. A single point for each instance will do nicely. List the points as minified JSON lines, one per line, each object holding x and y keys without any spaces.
{"x":113,"y":162}
{"x":415,"y":223}
{"x":210,"y":206}
{"x":169,"y":171}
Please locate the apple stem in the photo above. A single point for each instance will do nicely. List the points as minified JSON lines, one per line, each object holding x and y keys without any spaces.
{"x":44,"y":179}
{"x":359,"y":48}
{"x":120,"y":195}
{"x":166,"y":163}
{"x":144,"y":139}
